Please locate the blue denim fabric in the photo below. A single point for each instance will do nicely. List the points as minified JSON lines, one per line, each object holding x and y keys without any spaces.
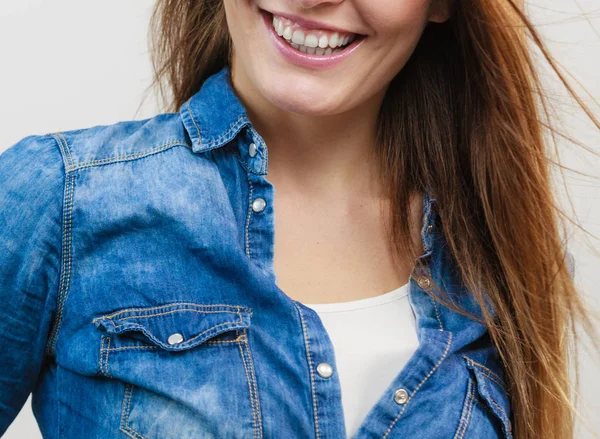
{"x":139,"y":297}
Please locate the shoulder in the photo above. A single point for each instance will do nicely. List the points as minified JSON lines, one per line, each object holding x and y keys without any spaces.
{"x":122,"y":141}
{"x":95,"y":145}
{"x":32,"y":179}
{"x":31,"y":170}
{"x":36,"y":170}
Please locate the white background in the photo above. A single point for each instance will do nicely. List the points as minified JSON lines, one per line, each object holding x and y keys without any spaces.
{"x":67,"y":64}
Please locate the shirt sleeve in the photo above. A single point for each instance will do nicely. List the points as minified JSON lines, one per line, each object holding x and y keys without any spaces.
{"x":31,"y":201}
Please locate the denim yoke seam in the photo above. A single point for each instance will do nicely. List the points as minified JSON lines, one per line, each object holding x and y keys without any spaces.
{"x":128,"y":157}
{"x":312,"y":376}
{"x":67,"y":218}
{"x":448,"y":343}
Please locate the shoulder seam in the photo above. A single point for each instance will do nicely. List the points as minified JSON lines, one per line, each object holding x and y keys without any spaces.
{"x":74,"y":166}
{"x":65,"y":265}
{"x":65,"y":151}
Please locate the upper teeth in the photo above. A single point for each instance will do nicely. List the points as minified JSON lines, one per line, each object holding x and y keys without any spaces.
{"x":321,"y":39}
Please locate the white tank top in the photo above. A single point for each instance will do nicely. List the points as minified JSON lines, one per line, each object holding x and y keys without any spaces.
{"x":373,"y":338}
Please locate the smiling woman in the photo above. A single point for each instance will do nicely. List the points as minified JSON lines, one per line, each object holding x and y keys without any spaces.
{"x":385,"y":34}
{"x":342,"y":227}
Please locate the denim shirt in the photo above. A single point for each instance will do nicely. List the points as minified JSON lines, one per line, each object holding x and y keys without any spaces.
{"x":139,"y":297}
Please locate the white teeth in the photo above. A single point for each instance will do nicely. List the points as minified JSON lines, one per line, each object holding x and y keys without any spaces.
{"x":311,"y":40}
{"x":298,"y":37}
{"x":278,"y":26}
{"x":310,"y":43}
{"x":323,"y":41}
{"x":333,"y":40}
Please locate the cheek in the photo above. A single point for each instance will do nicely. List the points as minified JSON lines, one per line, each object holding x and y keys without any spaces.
{"x":389,"y":18}
{"x":234,"y":11}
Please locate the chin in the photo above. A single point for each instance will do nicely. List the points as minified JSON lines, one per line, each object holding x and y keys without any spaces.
{"x":307,"y":96}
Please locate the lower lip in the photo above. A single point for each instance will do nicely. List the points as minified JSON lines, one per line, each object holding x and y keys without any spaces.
{"x":304,"y":59}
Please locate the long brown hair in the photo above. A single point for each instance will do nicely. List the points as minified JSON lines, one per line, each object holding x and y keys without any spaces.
{"x":465,"y":119}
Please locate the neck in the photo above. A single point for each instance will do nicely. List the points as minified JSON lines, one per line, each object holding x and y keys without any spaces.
{"x":325,"y":155}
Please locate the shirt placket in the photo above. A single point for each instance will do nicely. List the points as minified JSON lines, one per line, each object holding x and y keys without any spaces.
{"x":322,"y":378}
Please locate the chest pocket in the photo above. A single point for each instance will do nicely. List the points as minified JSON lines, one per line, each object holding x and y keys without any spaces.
{"x":186,"y":370}
{"x":486,"y":409}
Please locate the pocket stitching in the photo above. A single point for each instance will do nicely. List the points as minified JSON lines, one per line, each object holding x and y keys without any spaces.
{"x":149,"y":316}
{"x":468,"y":406}
{"x":125,"y":427}
{"x":496,"y":404}
{"x":188,"y":341}
{"x":144,"y":310}
{"x":250,"y":379}
{"x":126,"y":348}
{"x":497,"y":379}
{"x":104,"y":352}
{"x":253,"y":377}
{"x":256,"y":418}
{"x":489,"y":374}
{"x":239,"y":310}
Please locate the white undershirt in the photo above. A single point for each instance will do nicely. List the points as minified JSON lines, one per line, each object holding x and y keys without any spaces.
{"x":373,"y":338}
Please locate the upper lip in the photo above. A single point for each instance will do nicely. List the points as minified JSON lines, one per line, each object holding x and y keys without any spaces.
{"x":311,"y":24}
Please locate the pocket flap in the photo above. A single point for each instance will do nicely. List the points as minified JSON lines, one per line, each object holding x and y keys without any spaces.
{"x":492,"y":390}
{"x":177,"y":326}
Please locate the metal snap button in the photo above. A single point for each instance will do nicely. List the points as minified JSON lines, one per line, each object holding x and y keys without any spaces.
{"x":400,"y":396}
{"x":259,"y":205}
{"x":430,"y":229}
{"x":175,"y":338}
{"x":324,"y":370}
{"x":252,"y":149}
{"x":424,"y":282}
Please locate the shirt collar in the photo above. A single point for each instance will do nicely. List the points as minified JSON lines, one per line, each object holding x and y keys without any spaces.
{"x":214,"y":115}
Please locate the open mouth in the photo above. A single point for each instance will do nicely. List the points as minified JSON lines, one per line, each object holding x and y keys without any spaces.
{"x":320,"y":42}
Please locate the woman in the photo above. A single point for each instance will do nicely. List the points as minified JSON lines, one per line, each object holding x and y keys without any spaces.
{"x":144,"y":292}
